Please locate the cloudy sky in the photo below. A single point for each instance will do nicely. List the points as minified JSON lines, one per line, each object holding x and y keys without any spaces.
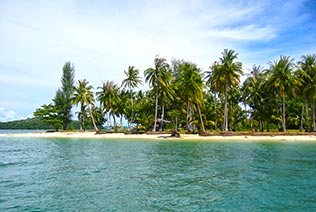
{"x":103,"y":38}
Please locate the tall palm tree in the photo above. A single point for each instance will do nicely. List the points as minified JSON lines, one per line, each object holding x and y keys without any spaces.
{"x":158,"y":77}
{"x":225,"y":74}
{"x":131,"y":81}
{"x":190,"y":88}
{"x":108,"y":97}
{"x":252,"y":92}
{"x":307,"y":72}
{"x":83,"y":95}
{"x":283,"y":81}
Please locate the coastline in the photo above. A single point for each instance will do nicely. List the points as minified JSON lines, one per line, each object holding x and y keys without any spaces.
{"x":92,"y":135}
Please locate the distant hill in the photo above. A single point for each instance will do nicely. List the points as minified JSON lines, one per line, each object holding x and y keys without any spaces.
{"x":31,"y":124}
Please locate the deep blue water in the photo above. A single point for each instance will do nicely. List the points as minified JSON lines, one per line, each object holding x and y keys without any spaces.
{"x":130,"y":175}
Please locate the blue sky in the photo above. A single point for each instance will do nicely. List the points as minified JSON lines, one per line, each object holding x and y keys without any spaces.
{"x":103,"y":38}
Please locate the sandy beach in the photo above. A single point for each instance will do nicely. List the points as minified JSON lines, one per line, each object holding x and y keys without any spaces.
{"x":311,"y":138}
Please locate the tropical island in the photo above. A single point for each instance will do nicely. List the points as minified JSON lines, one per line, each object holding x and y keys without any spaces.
{"x":183,"y":98}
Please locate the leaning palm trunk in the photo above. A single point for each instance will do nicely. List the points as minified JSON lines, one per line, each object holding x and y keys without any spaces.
{"x":81,"y":118}
{"x":202,"y":123}
{"x":162,"y":115}
{"x":93,"y":121}
{"x":81,"y":122}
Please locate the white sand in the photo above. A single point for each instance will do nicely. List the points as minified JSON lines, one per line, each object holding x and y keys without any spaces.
{"x":164,"y":136}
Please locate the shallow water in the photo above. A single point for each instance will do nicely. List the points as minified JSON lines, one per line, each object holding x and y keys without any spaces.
{"x":39,"y":174}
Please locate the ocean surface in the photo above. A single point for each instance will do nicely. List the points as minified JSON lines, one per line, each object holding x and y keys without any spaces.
{"x":39,"y":174}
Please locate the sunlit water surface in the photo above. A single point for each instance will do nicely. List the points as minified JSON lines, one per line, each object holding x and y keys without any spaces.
{"x":39,"y":174}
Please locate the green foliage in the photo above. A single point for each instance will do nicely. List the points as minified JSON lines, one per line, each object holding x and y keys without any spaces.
{"x":50,"y":115}
{"x":267,"y":100}
{"x":83,"y":95}
{"x":28,"y":124}
{"x":64,"y":94}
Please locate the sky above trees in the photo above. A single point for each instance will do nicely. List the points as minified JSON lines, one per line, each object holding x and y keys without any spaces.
{"x":103,"y":38}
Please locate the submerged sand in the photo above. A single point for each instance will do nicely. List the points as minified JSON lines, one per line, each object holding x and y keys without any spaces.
{"x":90,"y":135}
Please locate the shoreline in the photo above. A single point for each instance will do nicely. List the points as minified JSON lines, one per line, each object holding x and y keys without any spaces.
{"x":194,"y":137}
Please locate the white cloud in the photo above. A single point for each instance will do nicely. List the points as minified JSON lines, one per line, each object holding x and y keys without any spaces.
{"x":7,"y":115}
{"x":103,"y":38}
{"x":245,"y":33}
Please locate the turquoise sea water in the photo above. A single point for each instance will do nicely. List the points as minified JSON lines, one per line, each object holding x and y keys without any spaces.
{"x":39,"y":174}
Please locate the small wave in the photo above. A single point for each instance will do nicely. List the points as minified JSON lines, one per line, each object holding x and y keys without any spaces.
{"x":4,"y":164}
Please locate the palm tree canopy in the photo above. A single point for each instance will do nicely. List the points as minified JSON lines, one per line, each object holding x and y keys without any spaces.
{"x":307,"y":72}
{"x":252,"y":86}
{"x":225,"y":73}
{"x":108,"y":95}
{"x":83,"y":93}
{"x":160,"y":75}
{"x":190,"y":83}
{"x":281,"y":77}
{"x":132,"y":78}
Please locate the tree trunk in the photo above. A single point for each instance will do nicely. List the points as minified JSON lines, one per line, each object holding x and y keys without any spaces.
{"x":187,"y":119}
{"x":283,"y":118}
{"x":109,"y":119}
{"x":156,"y":110}
{"x":93,"y":122}
{"x":132,"y":103}
{"x":81,"y":122}
{"x":302,"y":118}
{"x":314,"y":124}
{"x":114,"y":119}
{"x":215,"y":111}
{"x":80,"y":117}
{"x":176,"y":122}
{"x":162,"y":115}
{"x":260,"y":125}
{"x":226,"y":110}
{"x":268,"y":129}
{"x":121,"y":120}
{"x":202,"y":123}
{"x":306,"y":115}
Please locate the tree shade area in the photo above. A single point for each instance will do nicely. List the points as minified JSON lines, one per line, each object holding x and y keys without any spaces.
{"x":183,"y":97}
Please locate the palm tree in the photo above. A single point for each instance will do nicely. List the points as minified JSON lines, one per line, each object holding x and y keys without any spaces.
{"x":225,"y":75}
{"x":84,"y":96}
{"x":190,"y":89}
{"x":157,"y":78}
{"x":307,"y":72}
{"x":108,"y":97}
{"x":131,"y":81}
{"x":252,"y":92}
{"x":283,"y":81}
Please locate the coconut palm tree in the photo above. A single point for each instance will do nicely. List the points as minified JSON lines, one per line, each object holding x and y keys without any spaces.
{"x":108,"y":97}
{"x":157,"y":78}
{"x":283,"y":81}
{"x":225,"y":74}
{"x":190,"y":88}
{"x":307,"y":72}
{"x":83,"y":95}
{"x":131,"y":81}
{"x":252,"y":92}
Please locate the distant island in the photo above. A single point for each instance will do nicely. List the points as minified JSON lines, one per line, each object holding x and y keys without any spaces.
{"x":31,"y":124}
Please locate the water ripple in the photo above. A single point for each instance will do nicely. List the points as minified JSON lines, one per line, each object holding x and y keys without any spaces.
{"x":111,"y":175}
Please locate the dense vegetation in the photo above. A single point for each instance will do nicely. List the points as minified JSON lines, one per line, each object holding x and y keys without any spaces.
{"x":183,"y":97}
{"x":32,"y":124}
